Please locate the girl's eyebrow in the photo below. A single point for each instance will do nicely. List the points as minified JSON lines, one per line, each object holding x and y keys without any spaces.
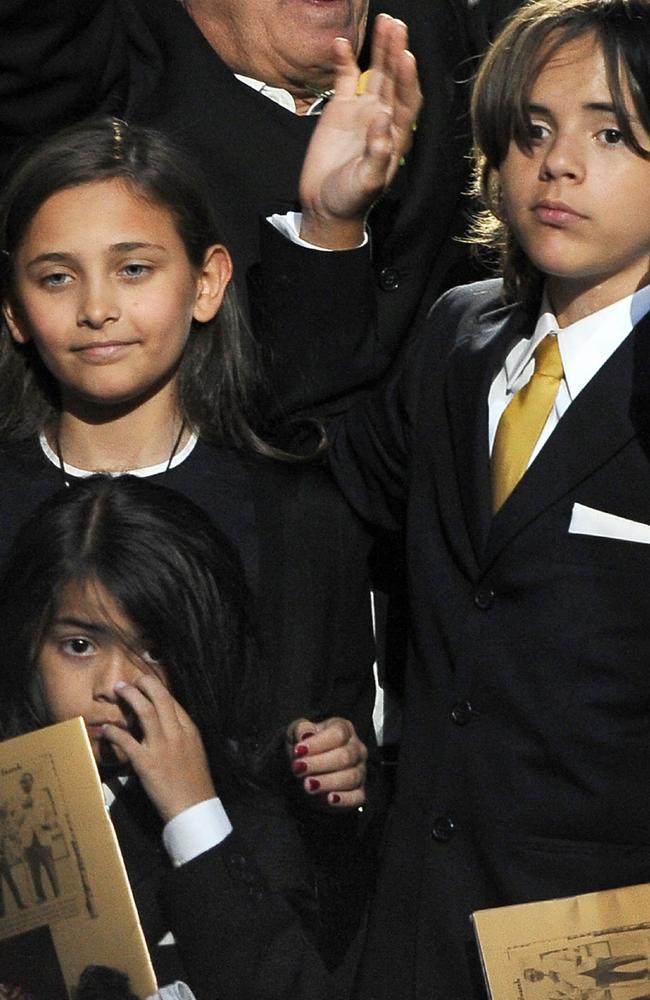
{"x":135,"y":245}
{"x":53,"y":255}
{"x":60,"y":257}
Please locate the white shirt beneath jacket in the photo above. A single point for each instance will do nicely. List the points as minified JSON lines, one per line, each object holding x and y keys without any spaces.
{"x":585,"y":346}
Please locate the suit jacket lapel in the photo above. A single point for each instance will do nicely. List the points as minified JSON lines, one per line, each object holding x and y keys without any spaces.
{"x":476,"y":361}
{"x":596,"y":425}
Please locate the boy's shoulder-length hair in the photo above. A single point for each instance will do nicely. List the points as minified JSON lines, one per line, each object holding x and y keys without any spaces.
{"x":501,"y":98}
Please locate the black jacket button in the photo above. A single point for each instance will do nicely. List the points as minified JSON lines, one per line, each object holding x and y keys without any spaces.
{"x":389,"y":278}
{"x":443,"y":829}
{"x":461,"y":713}
{"x":484,"y":598}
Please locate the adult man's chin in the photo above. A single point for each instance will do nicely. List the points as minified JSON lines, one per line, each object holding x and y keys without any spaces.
{"x":285,"y":43}
{"x":319,"y":22}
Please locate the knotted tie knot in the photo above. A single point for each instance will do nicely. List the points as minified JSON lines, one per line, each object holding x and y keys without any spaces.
{"x":547,"y":359}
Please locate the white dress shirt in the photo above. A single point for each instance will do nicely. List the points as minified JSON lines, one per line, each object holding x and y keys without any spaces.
{"x":281,"y":96}
{"x":585,"y":346}
{"x":191,"y":832}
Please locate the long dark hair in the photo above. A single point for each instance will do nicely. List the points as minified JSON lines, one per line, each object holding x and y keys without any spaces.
{"x":219,"y":377}
{"x":173,"y":574}
{"x":502,"y":94}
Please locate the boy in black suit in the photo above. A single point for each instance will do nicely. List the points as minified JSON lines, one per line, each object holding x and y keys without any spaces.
{"x":513,"y":447}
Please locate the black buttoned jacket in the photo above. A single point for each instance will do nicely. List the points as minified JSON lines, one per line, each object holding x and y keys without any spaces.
{"x":524,"y":766}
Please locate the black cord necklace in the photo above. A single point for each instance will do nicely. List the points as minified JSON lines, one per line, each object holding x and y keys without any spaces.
{"x":59,"y":454}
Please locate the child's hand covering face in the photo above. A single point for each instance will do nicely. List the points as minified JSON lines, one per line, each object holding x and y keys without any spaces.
{"x":169,"y":758}
{"x":93,"y":663}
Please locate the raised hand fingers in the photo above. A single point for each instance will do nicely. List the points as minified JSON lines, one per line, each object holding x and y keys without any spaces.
{"x":407,"y":99}
{"x":346,"y":71}
{"x":393,"y":80}
{"x":398,"y":84}
{"x":389,"y":41}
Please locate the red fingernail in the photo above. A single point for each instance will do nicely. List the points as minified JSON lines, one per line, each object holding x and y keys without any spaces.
{"x":301,"y":750}
{"x":314,"y":784}
{"x":335,"y":799}
{"x":298,"y":767}
{"x":305,"y":736}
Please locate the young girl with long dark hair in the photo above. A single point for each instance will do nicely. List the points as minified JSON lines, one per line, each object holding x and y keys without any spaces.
{"x":122,"y":603}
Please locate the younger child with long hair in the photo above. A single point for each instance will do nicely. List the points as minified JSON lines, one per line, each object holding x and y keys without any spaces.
{"x":122,"y":603}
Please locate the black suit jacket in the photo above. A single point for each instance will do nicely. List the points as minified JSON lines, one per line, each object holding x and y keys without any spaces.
{"x":523,"y":771}
{"x":244,"y":914}
{"x":148,"y":63}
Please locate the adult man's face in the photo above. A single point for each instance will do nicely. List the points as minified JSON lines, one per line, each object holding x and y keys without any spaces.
{"x":285,"y":43}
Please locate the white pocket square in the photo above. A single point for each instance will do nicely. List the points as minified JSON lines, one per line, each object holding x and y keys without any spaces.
{"x":588,"y":521}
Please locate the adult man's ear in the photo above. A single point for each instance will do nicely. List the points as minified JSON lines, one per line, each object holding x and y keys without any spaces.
{"x":212,"y":282}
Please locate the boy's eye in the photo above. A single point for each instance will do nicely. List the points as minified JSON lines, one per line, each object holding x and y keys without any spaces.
{"x":536,"y":130}
{"x":78,"y":646}
{"x":611,"y":136}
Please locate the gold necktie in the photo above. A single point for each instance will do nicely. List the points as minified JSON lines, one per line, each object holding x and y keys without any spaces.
{"x":523,"y":420}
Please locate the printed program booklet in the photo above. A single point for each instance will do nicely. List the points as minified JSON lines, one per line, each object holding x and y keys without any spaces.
{"x":65,"y":900}
{"x":590,"y":947}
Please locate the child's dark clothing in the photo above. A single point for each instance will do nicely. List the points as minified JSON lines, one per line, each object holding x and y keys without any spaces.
{"x":526,"y":753}
{"x":243,"y":914}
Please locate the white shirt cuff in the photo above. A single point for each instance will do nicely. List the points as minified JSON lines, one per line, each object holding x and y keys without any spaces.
{"x":196,"y":830}
{"x":289,"y":226}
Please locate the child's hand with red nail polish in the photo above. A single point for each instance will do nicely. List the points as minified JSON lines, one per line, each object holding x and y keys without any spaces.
{"x":329,"y":760}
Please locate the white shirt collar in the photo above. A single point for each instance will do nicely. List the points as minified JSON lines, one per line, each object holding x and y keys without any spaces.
{"x":143,"y":473}
{"x":111,"y":789}
{"x":278,"y":95}
{"x":585,"y":345}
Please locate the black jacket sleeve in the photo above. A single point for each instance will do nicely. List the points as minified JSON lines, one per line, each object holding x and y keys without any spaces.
{"x":244,"y":914}
{"x":315,"y":314}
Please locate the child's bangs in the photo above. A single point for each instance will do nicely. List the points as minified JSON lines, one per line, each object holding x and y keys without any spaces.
{"x":504,"y":84}
{"x":621,"y":79}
